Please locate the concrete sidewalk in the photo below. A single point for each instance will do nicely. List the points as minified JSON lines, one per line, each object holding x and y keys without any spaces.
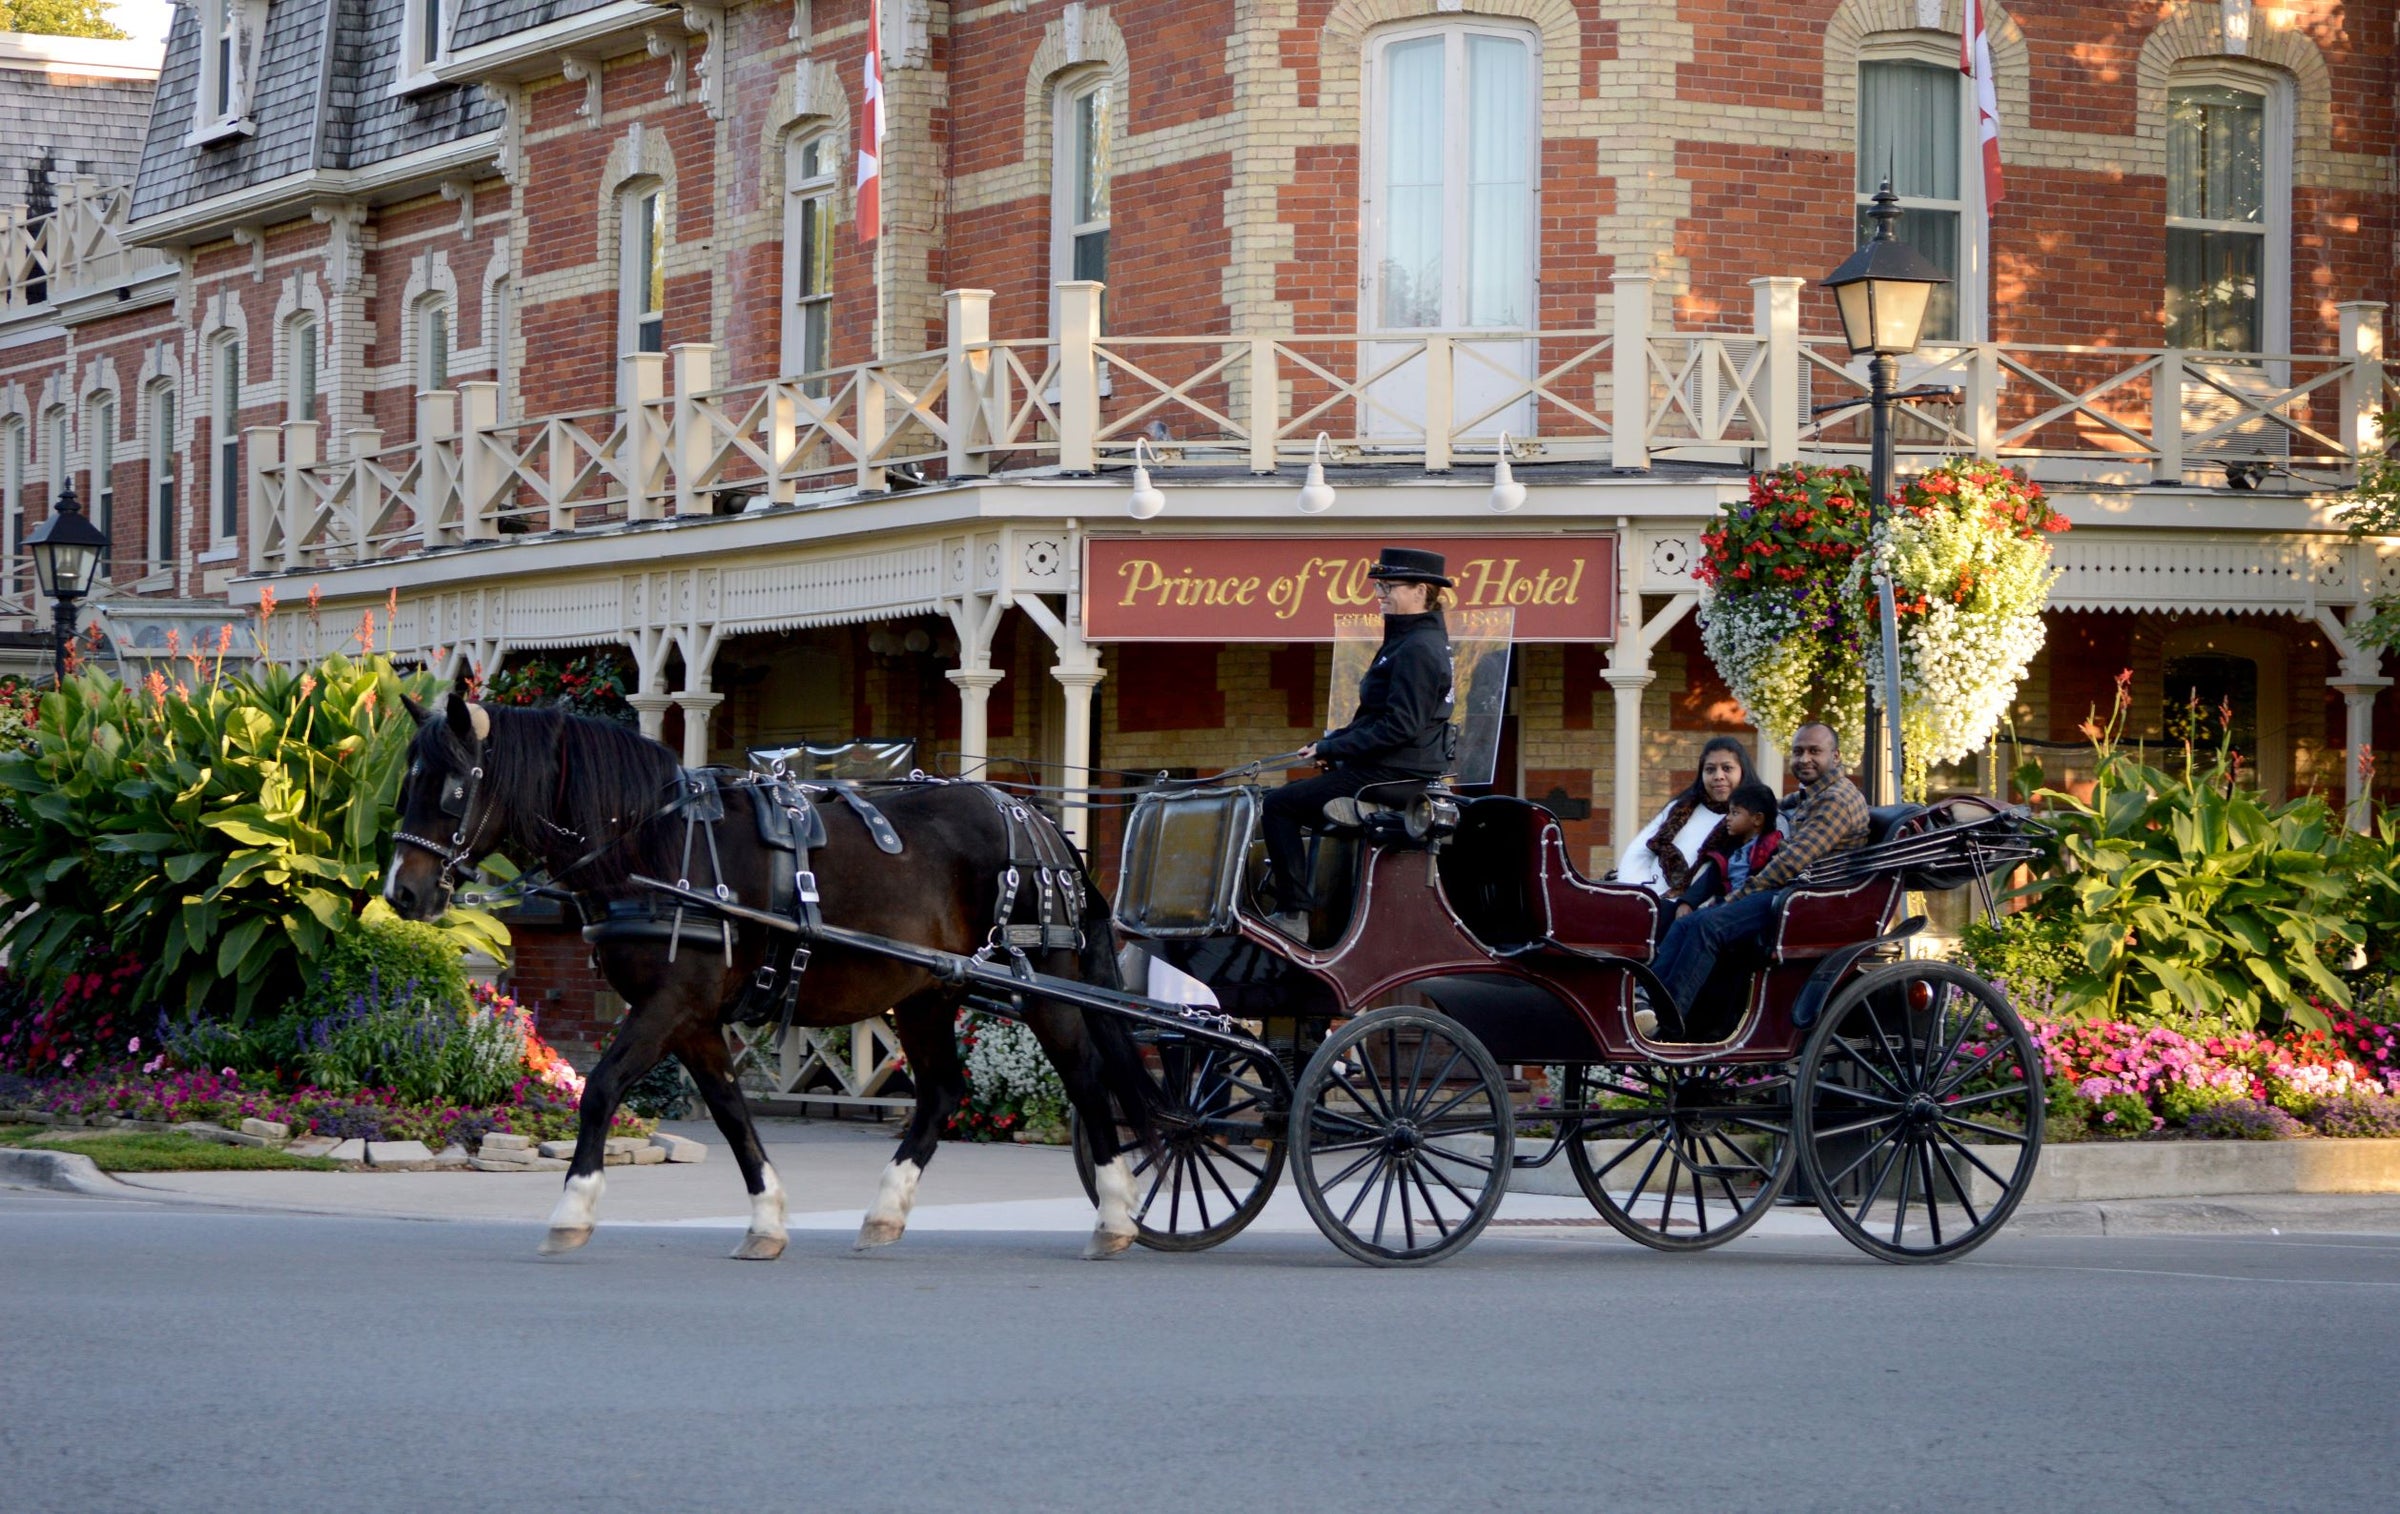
{"x":830,"y":1169}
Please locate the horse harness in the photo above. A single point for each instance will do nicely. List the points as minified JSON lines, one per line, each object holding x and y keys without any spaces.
{"x":1041,"y":861}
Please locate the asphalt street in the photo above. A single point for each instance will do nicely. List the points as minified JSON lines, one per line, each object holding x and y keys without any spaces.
{"x":182,"y":1359}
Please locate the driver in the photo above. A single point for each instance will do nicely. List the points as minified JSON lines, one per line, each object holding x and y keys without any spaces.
{"x":1400,"y":736}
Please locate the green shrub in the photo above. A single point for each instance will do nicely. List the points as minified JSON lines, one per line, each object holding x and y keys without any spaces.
{"x":425,"y":1049}
{"x":222,"y":835}
{"x":2030,"y":954}
{"x":380,"y":948}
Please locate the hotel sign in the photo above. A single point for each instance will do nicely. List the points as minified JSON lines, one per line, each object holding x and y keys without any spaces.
{"x":1222,"y":588}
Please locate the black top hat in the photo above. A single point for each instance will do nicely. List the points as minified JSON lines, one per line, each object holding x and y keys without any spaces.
{"x":1410,"y":565}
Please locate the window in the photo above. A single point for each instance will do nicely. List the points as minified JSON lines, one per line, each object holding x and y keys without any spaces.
{"x":162,"y":477}
{"x":12,"y":498}
{"x":497,"y":340}
{"x":433,"y":344}
{"x":1909,"y":129}
{"x":100,"y":484}
{"x":808,"y":254}
{"x":642,"y":278}
{"x":300,"y":370}
{"x":227,"y":41}
{"x":226,"y":427}
{"x":54,"y":447}
{"x":1079,"y":195}
{"x":223,"y":97}
{"x":2228,"y":211}
{"x":1452,"y":151}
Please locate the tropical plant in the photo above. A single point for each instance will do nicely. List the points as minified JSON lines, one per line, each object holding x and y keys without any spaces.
{"x":2193,"y":900}
{"x":2373,"y":509}
{"x":222,"y":832}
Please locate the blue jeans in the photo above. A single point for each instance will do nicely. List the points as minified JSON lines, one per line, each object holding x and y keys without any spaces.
{"x":1694,"y":943}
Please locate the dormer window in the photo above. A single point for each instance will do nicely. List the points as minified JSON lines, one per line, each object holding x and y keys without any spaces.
{"x":222,"y":107}
{"x":424,"y":42}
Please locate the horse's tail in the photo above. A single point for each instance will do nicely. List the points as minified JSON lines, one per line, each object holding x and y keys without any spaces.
{"x":1121,"y":1067}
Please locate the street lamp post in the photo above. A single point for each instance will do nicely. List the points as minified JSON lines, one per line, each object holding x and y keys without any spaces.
{"x":66,"y":552}
{"x":1882,"y":291}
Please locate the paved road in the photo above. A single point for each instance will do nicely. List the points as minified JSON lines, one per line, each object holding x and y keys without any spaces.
{"x":179,"y":1359}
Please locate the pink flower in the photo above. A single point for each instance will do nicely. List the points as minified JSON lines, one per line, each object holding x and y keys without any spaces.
{"x":134,"y":1046}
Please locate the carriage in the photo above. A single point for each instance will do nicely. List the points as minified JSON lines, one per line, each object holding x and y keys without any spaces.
{"x":1386,"y":1055}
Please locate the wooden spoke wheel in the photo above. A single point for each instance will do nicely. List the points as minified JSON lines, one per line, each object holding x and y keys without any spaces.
{"x":1920,"y":1115}
{"x":1401,"y":1132}
{"x":1220,"y":1154}
{"x":1682,"y":1158}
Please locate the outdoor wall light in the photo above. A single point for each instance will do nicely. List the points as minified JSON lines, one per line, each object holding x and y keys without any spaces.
{"x":66,"y":550}
{"x":1883,"y":288}
{"x":1145,"y":501}
{"x":1507,"y":493}
{"x":1316,"y":495}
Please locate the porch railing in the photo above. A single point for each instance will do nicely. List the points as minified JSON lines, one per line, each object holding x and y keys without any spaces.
{"x":1628,"y":396}
{"x":75,"y":247}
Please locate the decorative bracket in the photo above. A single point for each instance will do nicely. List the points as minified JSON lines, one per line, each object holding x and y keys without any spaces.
{"x":708,"y":23}
{"x":343,"y":220}
{"x":804,"y":24}
{"x":576,"y":69}
{"x":254,"y":238}
{"x":462,"y":190}
{"x":670,"y":45}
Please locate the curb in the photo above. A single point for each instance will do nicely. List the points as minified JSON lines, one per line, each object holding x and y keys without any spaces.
{"x":2253,"y":1214}
{"x":64,"y":1171}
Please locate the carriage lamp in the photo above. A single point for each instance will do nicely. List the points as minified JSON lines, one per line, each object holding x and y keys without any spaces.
{"x":1882,"y":291}
{"x":1145,"y":501}
{"x":66,"y":551}
{"x":1316,"y":495}
{"x":1507,"y":493}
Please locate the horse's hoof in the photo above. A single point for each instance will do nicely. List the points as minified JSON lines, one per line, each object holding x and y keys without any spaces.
{"x":1105,"y":1244}
{"x":876,"y":1233}
{"x":565,"y":1238}
{"x":759,"y":1248}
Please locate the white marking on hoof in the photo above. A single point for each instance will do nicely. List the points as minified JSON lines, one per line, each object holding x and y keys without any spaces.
{"x":1115,"y":1229}
{"x":765,"y":1241}
{"x":578,"y":1207}
{"x":893,"y":1201}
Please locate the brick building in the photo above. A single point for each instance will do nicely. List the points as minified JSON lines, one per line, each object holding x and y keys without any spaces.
{"x":551,"y":321}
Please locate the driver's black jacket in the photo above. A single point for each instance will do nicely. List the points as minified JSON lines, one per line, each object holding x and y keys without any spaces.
{"x":1404,"y":703}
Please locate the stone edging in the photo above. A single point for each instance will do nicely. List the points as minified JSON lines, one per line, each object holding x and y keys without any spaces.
{"x":65,"y":1171}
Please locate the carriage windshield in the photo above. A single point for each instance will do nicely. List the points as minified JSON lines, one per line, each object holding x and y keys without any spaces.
{"x":1479,"y":642}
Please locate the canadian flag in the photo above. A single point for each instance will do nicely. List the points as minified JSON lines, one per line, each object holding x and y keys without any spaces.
{"x":1975,"y":61}
{"x":870,"y":141}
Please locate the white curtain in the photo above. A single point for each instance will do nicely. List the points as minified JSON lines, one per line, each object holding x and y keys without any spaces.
{"x":2216,"y":154}
{"x":1500,"y":153}
{"x":1411,"y":272}
{"x":1908,"y":128}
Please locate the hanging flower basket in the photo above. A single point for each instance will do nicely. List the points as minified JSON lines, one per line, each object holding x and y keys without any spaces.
{"x":1790,"y":618}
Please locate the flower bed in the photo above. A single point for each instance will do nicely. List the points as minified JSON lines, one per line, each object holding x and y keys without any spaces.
{"x":2112,"y":1080}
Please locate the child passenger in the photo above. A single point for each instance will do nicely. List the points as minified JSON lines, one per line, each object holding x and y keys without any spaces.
{"x":1738,"y":848}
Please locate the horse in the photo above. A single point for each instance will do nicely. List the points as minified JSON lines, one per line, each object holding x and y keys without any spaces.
{"x":592,"y":804}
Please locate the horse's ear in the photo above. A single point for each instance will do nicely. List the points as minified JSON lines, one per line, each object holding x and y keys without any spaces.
{"x":463,"y":685}
{"x":416,"y":711}
{"x":469,"y":722}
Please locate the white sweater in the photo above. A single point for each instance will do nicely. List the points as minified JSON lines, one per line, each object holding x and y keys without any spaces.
{"x":1640,"y":865}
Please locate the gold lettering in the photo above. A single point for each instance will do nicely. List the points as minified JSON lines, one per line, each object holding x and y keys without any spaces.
{"x":1575,"y":583}
{"x":1142,"y":576}
{"x":1246,"y":591}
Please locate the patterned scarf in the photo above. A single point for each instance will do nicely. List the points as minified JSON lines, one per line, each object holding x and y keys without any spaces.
{"x":1671,"y":861}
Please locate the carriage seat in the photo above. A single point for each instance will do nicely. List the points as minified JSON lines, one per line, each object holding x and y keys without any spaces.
{"x":1816,"y":922}
{"x":1403,"y":813}
{"x":1508,"y":876}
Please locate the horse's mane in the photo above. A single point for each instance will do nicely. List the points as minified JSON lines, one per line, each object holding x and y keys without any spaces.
{"x":594,"y":780}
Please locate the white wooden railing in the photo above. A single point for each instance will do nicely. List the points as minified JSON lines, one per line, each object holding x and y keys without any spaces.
{"x":73,"y":248}
{"x":1627,"y":396}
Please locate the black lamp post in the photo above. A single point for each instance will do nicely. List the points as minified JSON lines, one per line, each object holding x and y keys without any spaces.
{"x":1882,"y":291}
{"x":66,"y":551}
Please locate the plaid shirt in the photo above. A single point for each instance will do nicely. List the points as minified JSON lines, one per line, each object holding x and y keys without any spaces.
{"x":1828,"y":817}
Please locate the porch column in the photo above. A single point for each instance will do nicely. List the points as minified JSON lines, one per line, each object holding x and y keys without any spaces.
{"x":2358,"y":687}
{"x":975,"y":687}
{"x":653,"y":710}
{"x":1625,"y":815}
{"x":1075,"y":743}
{"x":1770,"y":758}
{"x":696,"y":706}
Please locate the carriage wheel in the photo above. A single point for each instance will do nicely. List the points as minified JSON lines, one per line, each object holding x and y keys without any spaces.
{"x":1693,"y":1156}
{"x":1920,"y":1111}
{"x":1401,"y":1134}
{"x":1220,"y":1151}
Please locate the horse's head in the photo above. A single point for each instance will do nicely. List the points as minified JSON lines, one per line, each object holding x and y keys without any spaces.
{"x":449,"y":819}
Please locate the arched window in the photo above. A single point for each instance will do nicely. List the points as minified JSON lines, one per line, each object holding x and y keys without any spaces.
{"x":1452,"y":146}
{"x":501,"y":316}
{"x":12,"y":495}
{"x":808,"y":177}
{"x":2228,"y":231}
{"x":433,"y":344}
{"x":300,"y":368}
{"x":225,"y":435}
{"x":1079,"y":214}
{"x":642,"y":268}
{"x":1911,"y":120}
{"x":162,"y":476}
{"x":100,"y":482}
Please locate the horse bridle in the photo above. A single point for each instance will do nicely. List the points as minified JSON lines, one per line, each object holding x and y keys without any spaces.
{"x":457,"y":802}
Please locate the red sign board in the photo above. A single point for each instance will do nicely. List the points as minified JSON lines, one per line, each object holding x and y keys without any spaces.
{"x":1289,"y":588}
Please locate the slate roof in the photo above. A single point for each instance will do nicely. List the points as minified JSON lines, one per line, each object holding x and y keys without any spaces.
{"x":488,"y":20}
{"x":322,"y":101}
{"x":58,"y":130}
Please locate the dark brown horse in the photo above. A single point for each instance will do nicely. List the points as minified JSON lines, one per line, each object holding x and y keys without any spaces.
{"x":588,"y":802}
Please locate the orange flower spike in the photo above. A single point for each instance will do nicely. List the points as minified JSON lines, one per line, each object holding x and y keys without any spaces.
{"x":366,"y":630}
{"x":266,"y":603}
{"x":391,"y":604}
{"x":316,"y":594}
{"x":157,"y":684}
{"x":174,"y":642}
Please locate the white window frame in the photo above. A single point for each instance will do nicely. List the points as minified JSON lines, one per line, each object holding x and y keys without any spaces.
{"x":435,"y":342}
{"x":100,"y":467}
{"x":2275,"y":263}
{"x":160,"y":398}
{"x":1972,"y":278}
{"x":221,"y":103}
{"x":637,"y":322}
{"x":1372,"y":206}
{"x":225,"y":441}
{"x":424,"y":43}
{"x":13,"y":443}
{"x":807,"y":314}
{"x":57,"y":443}
{"x":302,"y":392}
{"x":1067,"y":224}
